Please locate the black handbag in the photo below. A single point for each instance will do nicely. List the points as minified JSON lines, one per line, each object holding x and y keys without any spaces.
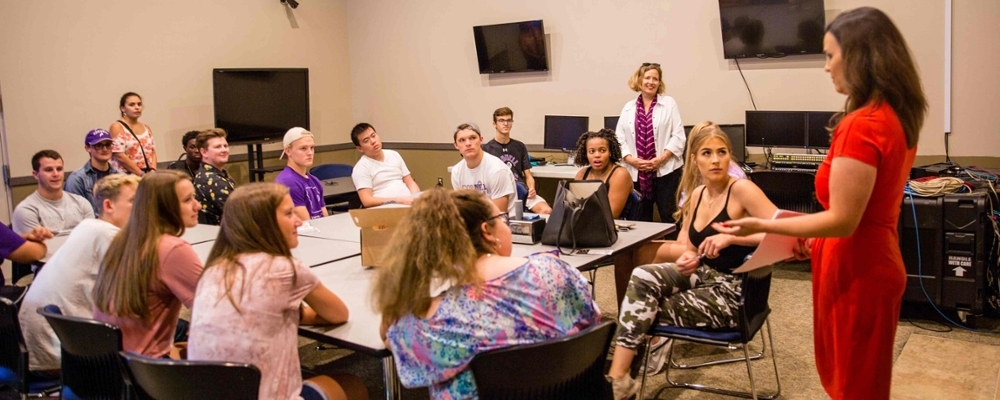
{"x":581,"y":217}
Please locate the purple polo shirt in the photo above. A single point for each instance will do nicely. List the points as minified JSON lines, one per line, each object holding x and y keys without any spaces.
{"x":306,"y":191}
{"x":9,"y":243}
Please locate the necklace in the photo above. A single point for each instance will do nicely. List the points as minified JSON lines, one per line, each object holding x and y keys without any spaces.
{"x":603,"y":176}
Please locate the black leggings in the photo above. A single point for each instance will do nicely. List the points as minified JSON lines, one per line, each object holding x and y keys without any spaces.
{"x":664,"y":196}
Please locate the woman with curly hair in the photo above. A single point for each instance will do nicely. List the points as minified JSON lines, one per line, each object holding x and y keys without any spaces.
{"x":601,"y":152}
{"x":450,"y":290}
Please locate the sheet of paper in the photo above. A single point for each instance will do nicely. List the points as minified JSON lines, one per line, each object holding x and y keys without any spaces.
{"x":772,"y":248}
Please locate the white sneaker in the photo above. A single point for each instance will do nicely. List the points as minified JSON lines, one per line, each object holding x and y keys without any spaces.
{"x":624,"y":387}
{"x":657,"y":356}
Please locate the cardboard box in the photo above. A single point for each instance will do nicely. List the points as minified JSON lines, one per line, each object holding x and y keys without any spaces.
{"x":377,"y":226}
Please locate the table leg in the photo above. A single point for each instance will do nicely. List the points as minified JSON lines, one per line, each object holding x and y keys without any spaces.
{"x":390,"y":379}
{"x":624,"y":264}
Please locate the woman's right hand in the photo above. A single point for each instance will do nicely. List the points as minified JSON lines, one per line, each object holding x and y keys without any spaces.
{"x":687,"y":263}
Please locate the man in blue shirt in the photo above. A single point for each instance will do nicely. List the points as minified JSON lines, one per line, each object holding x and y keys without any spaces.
{"x":81,"y":182}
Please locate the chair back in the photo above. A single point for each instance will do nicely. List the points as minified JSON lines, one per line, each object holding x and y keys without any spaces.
{"x":90,"y":365}
{"x":163,"y":379}
{"x":329,"y":171}
{"x":631,"y":210}
{"x":522,"y":191}
{"x":753,"y":308}
{"x":566,"y":368}
{"x":795,"y":191}
{"x":13,"y":351}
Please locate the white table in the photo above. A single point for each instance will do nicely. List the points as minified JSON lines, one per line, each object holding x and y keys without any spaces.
{"x":555,"y":171}
{"x":335,"y":227}
{"x":311,"y":251}
{"x":201,"y":234}
{"x":351,"y":282}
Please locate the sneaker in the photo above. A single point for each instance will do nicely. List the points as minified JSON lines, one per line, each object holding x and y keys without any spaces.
{"x":657,"y":356}
{"x":624,"y":387}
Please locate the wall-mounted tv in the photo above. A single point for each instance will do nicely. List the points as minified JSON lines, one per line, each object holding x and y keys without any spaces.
{"x":512,"y":47}
{"x":260,"y":104}
{"x":771,"y":28}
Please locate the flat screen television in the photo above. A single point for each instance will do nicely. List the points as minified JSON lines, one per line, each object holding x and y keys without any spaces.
{"x":611,"y":122}
{"x":819,"y":137}
{"x":771,"y":28}
{"x":776,"y":129}
{"x":736,"y":139}
{"x":512,"y":47}
{"x":260,"y":104}
{"x":561,"y":132}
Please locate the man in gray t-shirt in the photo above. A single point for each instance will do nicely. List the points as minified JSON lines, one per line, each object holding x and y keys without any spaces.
{"x":49,"y":206}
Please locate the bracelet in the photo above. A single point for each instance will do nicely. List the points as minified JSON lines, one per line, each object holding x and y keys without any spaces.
{"x":389,"y":202}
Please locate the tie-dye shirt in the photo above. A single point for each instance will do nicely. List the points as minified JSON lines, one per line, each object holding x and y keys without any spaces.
{"x":543,"y":299}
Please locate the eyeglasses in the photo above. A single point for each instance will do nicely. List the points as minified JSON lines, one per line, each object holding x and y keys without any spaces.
{"x":101,"y":146}
{"x":654,"y":65}
{"x":505,"y":121}
{"x":503,"y":218}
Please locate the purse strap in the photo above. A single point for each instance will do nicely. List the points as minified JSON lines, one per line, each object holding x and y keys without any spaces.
{"x":144,"y":159}
{"x":574,"y":215}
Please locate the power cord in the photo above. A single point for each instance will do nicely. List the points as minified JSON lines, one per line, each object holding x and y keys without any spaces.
{"x":748,"y":85}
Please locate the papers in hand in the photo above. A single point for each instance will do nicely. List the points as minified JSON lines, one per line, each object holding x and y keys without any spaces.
{"x":773,"y":247}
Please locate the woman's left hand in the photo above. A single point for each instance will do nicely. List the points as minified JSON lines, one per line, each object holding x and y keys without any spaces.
{"x":714,"y":244}
{"x":740,"y":227}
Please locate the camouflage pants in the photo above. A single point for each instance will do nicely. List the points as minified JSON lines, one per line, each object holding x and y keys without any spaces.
{"x":657,"y":293}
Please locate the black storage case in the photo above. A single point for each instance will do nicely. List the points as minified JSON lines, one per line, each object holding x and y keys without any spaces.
{"x":956,"y":238}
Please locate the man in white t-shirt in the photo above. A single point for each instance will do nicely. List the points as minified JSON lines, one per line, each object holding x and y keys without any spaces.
{"x":68,"y":277}
{"x":380,"y":176}
{"x":481,"y":171}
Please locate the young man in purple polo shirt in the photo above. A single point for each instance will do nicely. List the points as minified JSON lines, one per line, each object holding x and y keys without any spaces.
{"x":306,"y":190}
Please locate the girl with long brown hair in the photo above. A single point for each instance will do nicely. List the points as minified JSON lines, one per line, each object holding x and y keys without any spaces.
{"x":249,"y":301}
{"x":148,"y":270}
{"x":133,"y":149}
{"x":858,"y":272}
{"x":450,"y":290}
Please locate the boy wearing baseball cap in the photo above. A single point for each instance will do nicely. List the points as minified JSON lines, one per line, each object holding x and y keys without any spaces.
{"x":81,"y":182}
{"x":306,"y":190}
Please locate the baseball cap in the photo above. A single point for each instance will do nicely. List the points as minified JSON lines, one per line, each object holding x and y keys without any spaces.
{"x":292,"y":135}
{"x":96,"y":136}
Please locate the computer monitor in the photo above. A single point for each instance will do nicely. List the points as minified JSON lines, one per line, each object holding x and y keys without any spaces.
{"x":776,"y":129}
{"x":819,"y":137}
{"x":611,"y":122}
{"x":561,"y":132}
{"x":736,"y":139}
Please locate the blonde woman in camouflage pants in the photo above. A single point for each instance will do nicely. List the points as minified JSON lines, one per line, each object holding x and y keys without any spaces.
{"x":697,"y":289}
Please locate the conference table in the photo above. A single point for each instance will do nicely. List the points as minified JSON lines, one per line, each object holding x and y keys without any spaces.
{"x":331,"y":247}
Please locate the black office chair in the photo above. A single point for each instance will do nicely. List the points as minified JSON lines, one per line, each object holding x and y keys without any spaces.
{"x":14,"y":357}
{"x":162,"y":379}
{"x":90,"y":365}
{"x":752,"y":314}
{"x":567,"y":368}
{"x":795,"y":191}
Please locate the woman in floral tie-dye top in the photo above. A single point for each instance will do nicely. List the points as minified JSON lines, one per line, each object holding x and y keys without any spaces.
{"x":450,"y":290}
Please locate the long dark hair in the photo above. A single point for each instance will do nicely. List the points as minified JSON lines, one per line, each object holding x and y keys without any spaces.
{"x":132,"y":260}
{"x":249,"y":225}
{"x":879,"y":67}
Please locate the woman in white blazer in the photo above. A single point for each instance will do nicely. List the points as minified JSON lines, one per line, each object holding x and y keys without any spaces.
{"x":654,"y":120}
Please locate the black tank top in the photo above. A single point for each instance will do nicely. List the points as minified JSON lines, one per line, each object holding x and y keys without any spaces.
{"x":730,"y":257}
{"x":606,"y":184}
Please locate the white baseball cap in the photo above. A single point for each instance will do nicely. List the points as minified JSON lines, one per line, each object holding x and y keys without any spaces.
{"x":292,"y":135}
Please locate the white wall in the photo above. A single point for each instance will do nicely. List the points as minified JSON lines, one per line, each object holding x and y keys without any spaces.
{"x":65,"y":64}
{"x":415,"y":74}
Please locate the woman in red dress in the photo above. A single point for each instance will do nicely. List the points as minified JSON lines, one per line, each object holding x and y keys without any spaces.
{"x":858,"y":272}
